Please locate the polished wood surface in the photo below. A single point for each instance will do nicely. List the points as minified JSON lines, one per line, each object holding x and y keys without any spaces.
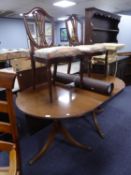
{"x":124,"y":54}
{"x":40,"y":17}
{"x":100,"y":26}
{"x":67,"y":101}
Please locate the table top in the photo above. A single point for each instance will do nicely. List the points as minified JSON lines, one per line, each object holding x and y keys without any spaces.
{"x":67,"y":101}
{"x":8,"y":54}
{"x":124,"y":54}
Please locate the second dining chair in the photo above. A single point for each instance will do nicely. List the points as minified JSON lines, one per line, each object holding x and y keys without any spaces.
{"x":74,"y":28}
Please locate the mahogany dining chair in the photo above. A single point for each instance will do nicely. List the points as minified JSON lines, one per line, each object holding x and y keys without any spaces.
{"x":74,"y":28}
{"x":38,"y":39}
{"x":41,"y":45}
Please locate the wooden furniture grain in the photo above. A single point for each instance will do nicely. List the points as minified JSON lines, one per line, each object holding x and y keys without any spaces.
{"x":6,"y":106}
{"x":40,"y":18}
{"x":25,"y":77}
{"x":124,"y":54}
{"x":74,"y":28}
{"x":20,"y":63}
{"x":68,"y":102}
{"x":101,"y":27}
{"x":12,"y":168}
{"x":39,"y":51}
{"x":74,"y":33}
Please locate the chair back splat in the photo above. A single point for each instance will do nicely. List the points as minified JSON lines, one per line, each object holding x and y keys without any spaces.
{"x":43,"y":36}
{"x":74,"y":32}
{"x":44,"y":24}
{"x":10,"y":127}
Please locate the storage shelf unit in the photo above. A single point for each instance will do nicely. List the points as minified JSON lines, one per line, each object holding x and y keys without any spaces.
{"x":100,"y":26}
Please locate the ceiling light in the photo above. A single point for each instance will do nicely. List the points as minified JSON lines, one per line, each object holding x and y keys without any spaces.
{"x":64,"y":3}
{"x":21,"y":14}
{"x":62,"y":18}
{"x":30,"y":14}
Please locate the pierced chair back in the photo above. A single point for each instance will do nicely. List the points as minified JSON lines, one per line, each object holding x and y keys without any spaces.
{"x":47,"y":56}
{"x":74,"y":30}
{"x":74,"y":33}
{"x":6,"y":106}
{"x":42,"y":35}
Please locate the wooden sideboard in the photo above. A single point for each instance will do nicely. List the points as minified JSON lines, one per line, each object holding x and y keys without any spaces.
{"x":100,"y":26}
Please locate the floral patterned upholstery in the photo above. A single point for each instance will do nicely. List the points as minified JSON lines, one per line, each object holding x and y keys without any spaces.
{"x":57,"y":52}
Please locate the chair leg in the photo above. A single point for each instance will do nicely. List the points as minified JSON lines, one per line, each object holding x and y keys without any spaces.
{"x":81,"y":71}
{"x":69,"y":67}
{"x":49,"y":77}
{"x":54,"y":73}
{"x":89,"y":66}
{"x":33,"y":72}
{"x":106,"y":64}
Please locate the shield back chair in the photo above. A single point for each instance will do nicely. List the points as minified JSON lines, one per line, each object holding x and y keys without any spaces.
{"x":9,"y":127}
{"x":74,"y":30}
{"x":41,"y":50}
{"x":74,"y":33}
{"x":43,"y":36}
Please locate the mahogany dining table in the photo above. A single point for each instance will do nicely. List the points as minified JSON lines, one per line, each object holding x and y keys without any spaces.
{"x":68,"y":102}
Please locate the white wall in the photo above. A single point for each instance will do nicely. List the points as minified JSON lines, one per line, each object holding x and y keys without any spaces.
{"x":12,"y":34}
{"x":124,"y":35}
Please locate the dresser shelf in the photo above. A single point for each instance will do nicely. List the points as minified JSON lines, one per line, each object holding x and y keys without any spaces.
{"x":100,"y":26}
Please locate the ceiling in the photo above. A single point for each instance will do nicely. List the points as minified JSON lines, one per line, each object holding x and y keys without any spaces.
{"x":11,"y":8}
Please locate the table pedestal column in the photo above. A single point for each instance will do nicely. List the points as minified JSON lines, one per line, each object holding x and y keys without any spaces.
{"x":58,"y":128}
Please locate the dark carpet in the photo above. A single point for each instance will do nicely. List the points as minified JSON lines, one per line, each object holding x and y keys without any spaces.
{"x":110,"y":156}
